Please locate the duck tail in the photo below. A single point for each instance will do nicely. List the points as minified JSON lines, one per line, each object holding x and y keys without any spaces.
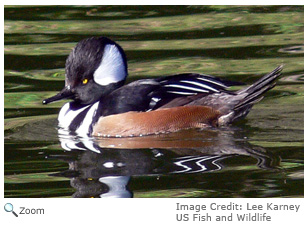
{"x":252,"y":94}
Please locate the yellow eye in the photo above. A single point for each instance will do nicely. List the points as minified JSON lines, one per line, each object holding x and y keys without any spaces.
{"x":85,"y":81}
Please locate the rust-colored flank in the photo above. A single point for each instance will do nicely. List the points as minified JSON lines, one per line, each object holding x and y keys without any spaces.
{"x":154,"y":122}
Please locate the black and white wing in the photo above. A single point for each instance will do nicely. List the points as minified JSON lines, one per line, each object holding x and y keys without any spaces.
{"x":184,"y":88}
{"x":192,"y":84}
{"x":150,"y":94}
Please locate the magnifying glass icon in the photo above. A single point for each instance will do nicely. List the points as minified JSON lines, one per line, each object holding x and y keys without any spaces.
{"x":9,"y":208}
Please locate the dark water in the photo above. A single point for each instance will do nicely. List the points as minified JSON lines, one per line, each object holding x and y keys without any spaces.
{"x":261,"y":156}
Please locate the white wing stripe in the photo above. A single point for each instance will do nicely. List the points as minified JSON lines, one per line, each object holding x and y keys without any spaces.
{"x":201,"y":85}
{"x":181,"y":93}
{"x":186,"y":87}
{"x":211,"y":81}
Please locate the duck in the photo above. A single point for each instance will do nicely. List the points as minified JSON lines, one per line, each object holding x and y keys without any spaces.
{"x":103,"y":105}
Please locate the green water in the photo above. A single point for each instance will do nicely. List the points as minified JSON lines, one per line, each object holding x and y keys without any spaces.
{"x":261,"y":156}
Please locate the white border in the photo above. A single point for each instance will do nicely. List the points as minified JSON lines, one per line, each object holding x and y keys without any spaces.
{"x":136,"y":211}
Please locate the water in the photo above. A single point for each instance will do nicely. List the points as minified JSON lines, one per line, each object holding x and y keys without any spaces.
{"x":261,"y":156}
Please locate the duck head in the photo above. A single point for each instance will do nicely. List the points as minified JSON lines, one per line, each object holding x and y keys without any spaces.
{"x":94,"y":68}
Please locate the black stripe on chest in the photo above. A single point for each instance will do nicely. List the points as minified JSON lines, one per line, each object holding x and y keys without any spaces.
{"x":77,"y":121}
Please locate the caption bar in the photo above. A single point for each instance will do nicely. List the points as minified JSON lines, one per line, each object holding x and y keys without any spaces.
{"x":231,"y":212}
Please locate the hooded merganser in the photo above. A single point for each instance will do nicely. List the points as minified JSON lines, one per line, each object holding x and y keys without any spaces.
{"x":102,"y":105}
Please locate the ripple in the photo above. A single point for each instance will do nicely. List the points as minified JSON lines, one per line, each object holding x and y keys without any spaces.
{"x":293,"y":49}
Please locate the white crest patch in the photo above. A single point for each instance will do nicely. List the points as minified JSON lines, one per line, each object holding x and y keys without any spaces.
{"x":112,"y":68}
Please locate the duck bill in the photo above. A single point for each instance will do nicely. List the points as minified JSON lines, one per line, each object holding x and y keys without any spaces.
{"x":63,"y":94}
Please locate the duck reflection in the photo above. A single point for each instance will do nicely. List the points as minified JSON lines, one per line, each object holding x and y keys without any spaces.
{"x":103,"y":167}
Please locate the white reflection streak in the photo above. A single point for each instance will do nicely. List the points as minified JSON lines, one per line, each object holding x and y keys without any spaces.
{"x":200,"y":159}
